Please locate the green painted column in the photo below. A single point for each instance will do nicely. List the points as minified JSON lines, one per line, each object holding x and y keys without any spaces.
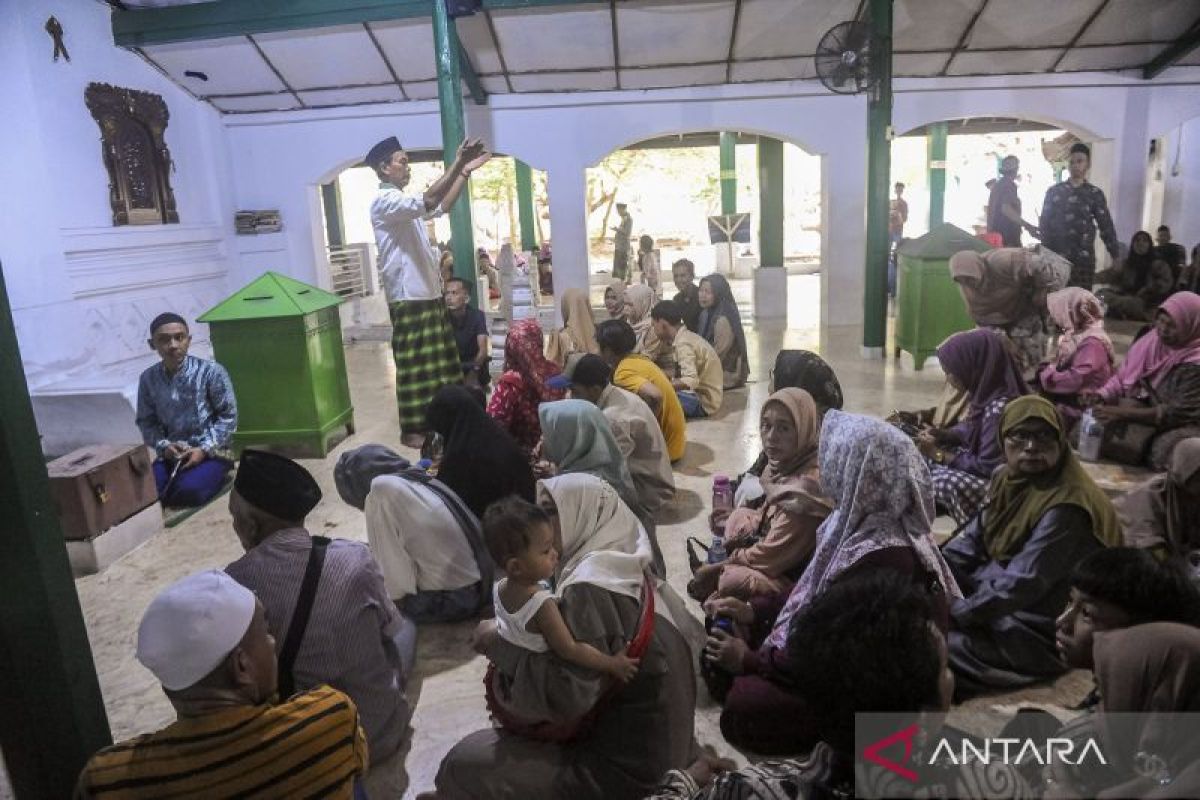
{"x":529,"y":240}
{"x":51,"y":712}
{"x":728,"y":172}
{"x":331,"y":201}
{"x":935,"y":137}
{"x":879,"y":123}
{"x":450,"y":105}
{"x":770,"y":202}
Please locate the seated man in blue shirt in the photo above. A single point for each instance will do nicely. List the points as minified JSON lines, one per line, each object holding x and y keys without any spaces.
{"x":186,"y":411}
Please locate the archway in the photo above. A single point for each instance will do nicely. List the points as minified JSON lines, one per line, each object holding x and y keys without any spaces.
{"x":673,"y":185}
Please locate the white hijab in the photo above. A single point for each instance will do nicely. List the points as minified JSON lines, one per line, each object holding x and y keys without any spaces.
{"x":604,"y":544}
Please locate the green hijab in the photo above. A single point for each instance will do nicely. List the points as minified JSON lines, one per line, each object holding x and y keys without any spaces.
{"x":1016,"y":503}
{"x":576,"y":436}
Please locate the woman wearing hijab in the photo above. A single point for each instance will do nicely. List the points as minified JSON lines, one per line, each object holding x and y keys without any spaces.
{"x":770,"y":541}
{"x":1163,"y":514}
{"x":578,"y":333}
{"x":962,"y":458}
{"x":1013,"y":561}
{"x":639,"y":301}
{"x":480,"y":460}
{"x":1148,"y":677}
{"x":721,"y":324}
{"x":614,"y":299}
{"x":522,"y":387}
{"x":428,"y":543}
{"x":1006,"y":289}
{"x":640,"y":730}
{"x":1084,"y":361}
{"x":1156,"y":392}
{"x":882,"y":517}
{"x":1125,"y":281}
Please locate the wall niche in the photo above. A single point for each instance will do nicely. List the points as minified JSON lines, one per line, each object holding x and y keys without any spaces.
{"x":132,"y":124}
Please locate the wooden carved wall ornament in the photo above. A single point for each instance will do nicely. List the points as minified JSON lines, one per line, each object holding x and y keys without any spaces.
{"x":139,"y":165}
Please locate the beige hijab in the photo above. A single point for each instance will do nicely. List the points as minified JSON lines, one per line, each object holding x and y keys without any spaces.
{"x":578,"y":333}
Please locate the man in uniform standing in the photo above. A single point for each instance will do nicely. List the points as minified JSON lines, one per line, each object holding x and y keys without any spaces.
{"x":422,"y":342}
{"x":621,"y":236}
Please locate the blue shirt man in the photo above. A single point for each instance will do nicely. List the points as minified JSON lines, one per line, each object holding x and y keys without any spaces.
{"x":187,"y":413}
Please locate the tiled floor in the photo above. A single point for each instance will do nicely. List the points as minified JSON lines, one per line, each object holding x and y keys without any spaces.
{"x":447,"y":687}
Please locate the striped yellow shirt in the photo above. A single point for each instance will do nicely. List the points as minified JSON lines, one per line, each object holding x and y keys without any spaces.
{"x":309,"y":746}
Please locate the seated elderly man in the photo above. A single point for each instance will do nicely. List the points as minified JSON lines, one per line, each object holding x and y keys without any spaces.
{"x":187,"y":413}
{"x":435,"y":564}
{"x":205,"y":638}
{"x":633,"y":426}
{"x":326,"y":606}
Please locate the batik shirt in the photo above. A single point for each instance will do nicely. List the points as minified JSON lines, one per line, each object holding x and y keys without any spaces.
{"x":195,"y":405}
{"x":1069,"y":218}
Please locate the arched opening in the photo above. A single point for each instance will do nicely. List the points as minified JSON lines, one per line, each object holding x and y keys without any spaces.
{"x":674,"y":184}
{"x":1172,"y":194}
{"x":971,"y":152}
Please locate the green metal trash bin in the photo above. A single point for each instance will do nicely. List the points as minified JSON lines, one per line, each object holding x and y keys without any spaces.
{"x":929,"y":306}
{"x":281,"y":341}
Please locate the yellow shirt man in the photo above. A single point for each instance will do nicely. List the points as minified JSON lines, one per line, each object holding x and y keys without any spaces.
{"x":632,"y":374}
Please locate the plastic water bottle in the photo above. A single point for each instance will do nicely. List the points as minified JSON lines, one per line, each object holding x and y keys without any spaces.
{"x":424,"y":464}
{"x":724,"y":624}
{"x":722,"y":493}
{"x":716,"y":553}
{"x":1091,"y":434}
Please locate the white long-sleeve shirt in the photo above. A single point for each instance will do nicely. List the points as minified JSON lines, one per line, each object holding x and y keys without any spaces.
{"x":407,"y":262}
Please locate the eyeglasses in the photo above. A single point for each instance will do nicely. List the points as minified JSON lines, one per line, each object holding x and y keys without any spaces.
{"x":1035,"y":438}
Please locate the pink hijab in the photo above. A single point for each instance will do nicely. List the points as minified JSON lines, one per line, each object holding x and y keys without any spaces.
{"x":1080,"y":315}
{"x":1149,"y":359}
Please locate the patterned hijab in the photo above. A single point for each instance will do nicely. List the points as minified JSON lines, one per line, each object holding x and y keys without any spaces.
{"x":1080,"y":316}
{"x":883,"y":498}
{"x":983,"y":363}
{"x":523,"y":357}
{"x":723,"y":306}
{"x":1149,"y":359}
{"x":579,"y":329}
{"x":1016,"y":503}
{"x":577,"y":438}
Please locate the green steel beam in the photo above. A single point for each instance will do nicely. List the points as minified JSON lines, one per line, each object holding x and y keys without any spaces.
{"x":1177,"y":50}
{"x":879,"y":123}
{"x":728,"y":174}
{"x":529,"y":240}
{"x":471,"y":77}
{"x":331,"y":202}
{"x":445,"y":50}
{"x":51,"y":713}
{"x":770,"y":202}
{"x":935,"y":138}
{"x":224,"y":18}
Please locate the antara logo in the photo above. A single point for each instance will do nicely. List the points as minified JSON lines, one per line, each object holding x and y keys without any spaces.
{"x":1019,"y":751}
{"x":1002,"y":750}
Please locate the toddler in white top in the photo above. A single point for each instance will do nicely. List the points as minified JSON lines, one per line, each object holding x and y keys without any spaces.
{"x":521,"y":539}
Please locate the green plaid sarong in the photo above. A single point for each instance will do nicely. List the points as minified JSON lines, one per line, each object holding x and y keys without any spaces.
{"x":426,"y":357}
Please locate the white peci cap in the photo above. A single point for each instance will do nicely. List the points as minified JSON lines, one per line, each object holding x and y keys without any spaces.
{"x":192,"y":625}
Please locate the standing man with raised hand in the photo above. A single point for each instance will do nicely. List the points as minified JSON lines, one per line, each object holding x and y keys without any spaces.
{"x":422,"y":342}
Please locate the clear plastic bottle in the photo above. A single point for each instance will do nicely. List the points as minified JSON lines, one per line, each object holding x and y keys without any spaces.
{"x":1091,"y":435}
{"x":722,"y":502}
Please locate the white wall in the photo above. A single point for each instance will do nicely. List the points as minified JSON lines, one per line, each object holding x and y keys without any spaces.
{"x":1181,"y":184}
{"x":83,"y":291}
{"x":565,"y":134}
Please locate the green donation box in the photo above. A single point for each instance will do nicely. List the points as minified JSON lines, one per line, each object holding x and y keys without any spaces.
{"x":281,"y":341}
{"x":929,"y":306}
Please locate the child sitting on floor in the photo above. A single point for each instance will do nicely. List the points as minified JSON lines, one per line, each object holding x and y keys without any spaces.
{"x":522,"y":542}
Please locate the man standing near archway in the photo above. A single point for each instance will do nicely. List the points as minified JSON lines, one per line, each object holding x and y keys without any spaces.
{"x":1067,"y":226}
{"x":422,"y":341}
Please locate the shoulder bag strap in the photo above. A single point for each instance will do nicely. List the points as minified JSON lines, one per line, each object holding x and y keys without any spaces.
{"x":304,"y":604}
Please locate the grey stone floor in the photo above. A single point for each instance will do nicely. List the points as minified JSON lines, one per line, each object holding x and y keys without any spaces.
{"x":447,"y":688}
